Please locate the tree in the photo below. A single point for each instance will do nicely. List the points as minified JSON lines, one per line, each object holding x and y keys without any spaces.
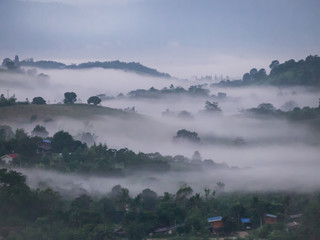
{"x":196,"y":157}
{"x":39,"y":131}
{"x":9,"y":64}
{"x":274,"y":64}
{"x":62,"y":140}
{"x":187,"y":135}
{"x":69,"y":97}
{"x":253,"y":71}
{"x":212,"y":107}
{"x":149,"y":199}
{"x":94,"y":99}
{"x":266,"y":107}
{"x":38,"y":100}
{"x":246,"y":78}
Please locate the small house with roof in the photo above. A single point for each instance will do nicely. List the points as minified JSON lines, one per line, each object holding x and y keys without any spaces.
{"x":294,"y":221}
{"x":295,"y":217}
{"x":168,"y":230}
{"x":270,"y":219}
{"x":8,"y":158}
{"x":216,"y":223}
{"x":44,"y":146}
{"x":246,"y":222}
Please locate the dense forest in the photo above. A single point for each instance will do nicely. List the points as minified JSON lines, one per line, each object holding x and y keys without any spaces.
{"x":45,"y":214}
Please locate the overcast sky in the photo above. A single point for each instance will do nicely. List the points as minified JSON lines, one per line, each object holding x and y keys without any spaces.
{"x":182,"y":37}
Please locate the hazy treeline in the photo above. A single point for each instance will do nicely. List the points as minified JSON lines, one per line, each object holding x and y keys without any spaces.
{"x":68,"y":155}
{"x":131,"y":66}
{"x":304,"y":72}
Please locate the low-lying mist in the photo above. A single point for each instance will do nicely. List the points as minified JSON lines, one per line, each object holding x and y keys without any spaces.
{"x":276,"y":155}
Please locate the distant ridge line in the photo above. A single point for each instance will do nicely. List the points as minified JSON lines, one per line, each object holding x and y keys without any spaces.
{"x":130,"y":66}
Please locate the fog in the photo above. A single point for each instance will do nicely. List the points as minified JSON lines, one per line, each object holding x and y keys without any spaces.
{"x":277,"y":154}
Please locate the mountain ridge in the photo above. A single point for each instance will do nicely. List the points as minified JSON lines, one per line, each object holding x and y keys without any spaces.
{"x":118,"y":65}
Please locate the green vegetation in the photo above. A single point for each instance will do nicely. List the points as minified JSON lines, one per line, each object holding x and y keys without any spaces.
{"x":62,"y":153}
{"x":94,"y":99}
{"x":131,"y":66}
{"x":44,"y":214}
{"x":192,"y":91}
{"x":308,"y":115}
{"x":26,"y":112}
{"x":70,"y":98}
{"x":38,"y":100}
{"x":290,"y":73}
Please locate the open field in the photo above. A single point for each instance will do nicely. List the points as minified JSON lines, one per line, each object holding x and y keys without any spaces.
{"x":27,"y":112}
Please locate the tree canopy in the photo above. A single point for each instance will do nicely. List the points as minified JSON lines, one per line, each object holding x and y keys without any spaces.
{"x":94,"y":99}
{"x":38,"y":100}
{"x":70,"y":98}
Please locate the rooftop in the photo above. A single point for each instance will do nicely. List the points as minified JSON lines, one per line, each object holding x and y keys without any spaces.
{"x":215,"y":219}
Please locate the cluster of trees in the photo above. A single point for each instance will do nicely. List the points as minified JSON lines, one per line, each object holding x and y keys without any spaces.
{"x":69,"y":98}
{"x":267,"y":109}
{"x":304,"y":72}
{"x":7,"y":101}
{"x":70,"y":155}
{"x":67,"y":154}
{"x":44,"y":214}
{"x":11,"y":65}
{"x":194,"y":91}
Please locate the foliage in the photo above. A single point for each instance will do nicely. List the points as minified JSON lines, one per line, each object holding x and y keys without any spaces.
{"x":184,"y":134}
{"x":69,"y":97}
{"x":64,"y":141}
{"x":131,"y":66}
{"x":7,"y":102}
{"x":42,"y":214}
{"x":193,"y":91}
{"x":94,"y":99}
{"x":304,"y":72}
{"x":39,"y":131}
{"x":212,"y":107}
{"x":38,"y":100}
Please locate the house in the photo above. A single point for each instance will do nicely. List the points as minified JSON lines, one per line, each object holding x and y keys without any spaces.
{"x":44,"y":146}
{"x":294,"y":221}
{"x":295,"y":217}
{"x":216,"y":223}
{"x":270,"y":219}
{"x":168,"y":230}
{"x":246,"y":222}
{"x":119,"y":232}
{"x":7,"y":159}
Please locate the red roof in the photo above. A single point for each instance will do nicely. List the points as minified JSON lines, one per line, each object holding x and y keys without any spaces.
{"x":13,"y":155}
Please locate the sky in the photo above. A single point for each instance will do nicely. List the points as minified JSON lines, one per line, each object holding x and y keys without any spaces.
{"x":181,"y":37}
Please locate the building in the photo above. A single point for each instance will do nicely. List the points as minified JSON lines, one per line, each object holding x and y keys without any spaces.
{"x":7,"y":159}
{"x":294,"y":221}
{"x":216,"y":223}
{"x":295,"y":217}
{"x":246,"y":222}
{"x":168,"y":230}
{"x":270,"y":219}
{"x":44,"y":146}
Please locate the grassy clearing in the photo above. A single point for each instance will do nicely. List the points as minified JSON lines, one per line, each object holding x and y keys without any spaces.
{"x":28,"y":112}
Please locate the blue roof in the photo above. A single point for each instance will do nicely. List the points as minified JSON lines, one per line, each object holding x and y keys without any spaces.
{"x":46,"y":141}
{"x":245,"y":220}
{"x":271,"y":215}
{"x":214,"y":219}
